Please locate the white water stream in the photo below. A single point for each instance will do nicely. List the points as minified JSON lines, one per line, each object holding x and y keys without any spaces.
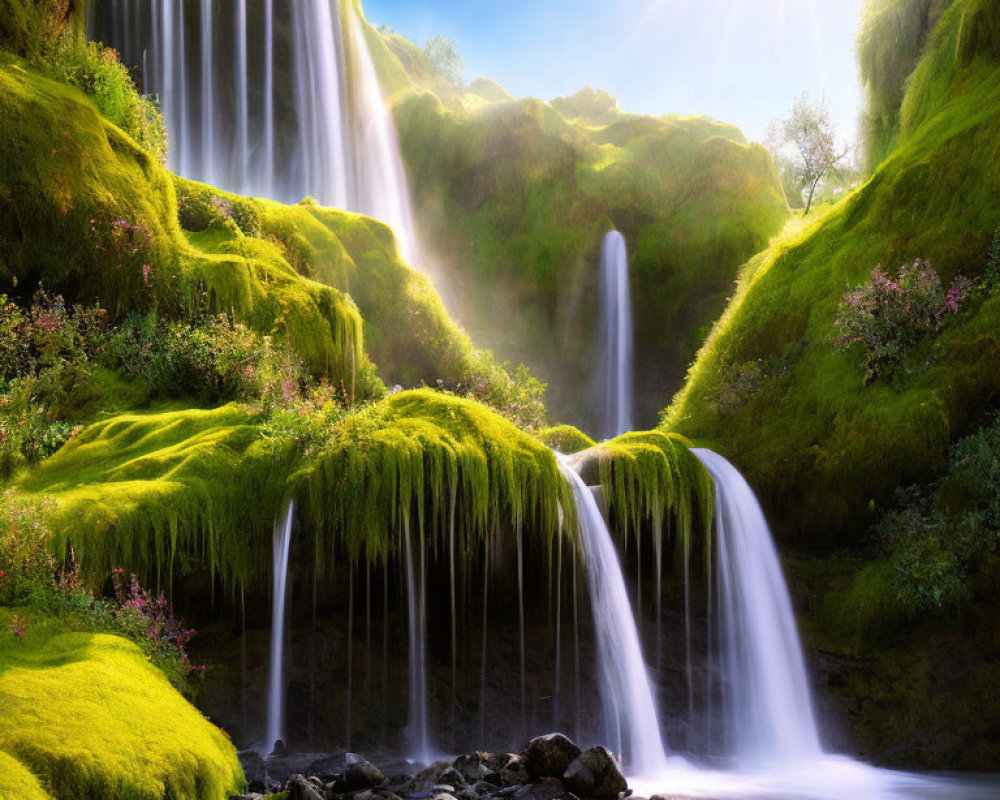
{"x":279,"y":594}
{"x":615,"y":319}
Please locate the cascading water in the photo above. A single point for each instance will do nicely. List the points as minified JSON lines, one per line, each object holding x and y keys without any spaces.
{"x":418,"y":733}
{"x":306,"y":118}
{"x":276,"y":680}
{"x":767,"y":702}
{"x":615,"y":314}
{"x":626,"y":693}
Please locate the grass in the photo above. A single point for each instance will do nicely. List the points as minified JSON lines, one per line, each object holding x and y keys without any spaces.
{"x":823,"y":450}
{"x":87,"y":716}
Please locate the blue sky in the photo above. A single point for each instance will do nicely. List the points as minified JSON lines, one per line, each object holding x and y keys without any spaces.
{"x":740,"y":61}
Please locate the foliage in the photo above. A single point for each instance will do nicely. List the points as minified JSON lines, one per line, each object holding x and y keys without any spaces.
{"x":515,"y":394}
{"x":991,"y":279}
{"x":26,"y":565}
{"x":887,"y":317}
{"x":443,"y":56}
{"x":936,"y":539}
{"x":810,"y":131}
{"x":32,"y":28}
{"x":99,"y":72}
{"x":891,"y":39}
{"x":815,"y":449}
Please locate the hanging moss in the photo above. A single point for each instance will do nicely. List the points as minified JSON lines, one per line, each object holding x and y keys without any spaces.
{"x":140,"y":491}
{"x":652,"y":477}
{"x":399,"y":461}
{"x":87,"y":715}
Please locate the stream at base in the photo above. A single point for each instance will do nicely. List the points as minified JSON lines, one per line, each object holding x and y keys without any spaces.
{"x":825,"y":777}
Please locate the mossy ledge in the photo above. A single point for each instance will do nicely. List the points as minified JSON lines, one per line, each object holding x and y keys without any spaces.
{"x":86,"y":715}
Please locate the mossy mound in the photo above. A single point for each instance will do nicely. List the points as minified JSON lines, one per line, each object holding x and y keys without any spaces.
{"x":514,"y":197}
{"x":88,"y":213}
{"x":768,"y":388}
{"x":86,"y":715}
{"x":169,"y":491}
{"x":566,"y":439}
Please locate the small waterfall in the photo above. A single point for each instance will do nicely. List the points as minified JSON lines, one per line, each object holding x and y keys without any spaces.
{"x":306,"y":118}
{"x":769,"y":713}
{"x":276,"y":679}
{"x":626,"y":693}
{"x":615,"y":314}
{"x":418,"y":733}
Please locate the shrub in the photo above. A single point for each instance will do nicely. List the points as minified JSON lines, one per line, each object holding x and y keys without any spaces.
{"x":887,"y":317}
{"x":25,"y":563}
{"x":515,"y":394}
{"x":935,"y":538}
{"x":98,"y":71}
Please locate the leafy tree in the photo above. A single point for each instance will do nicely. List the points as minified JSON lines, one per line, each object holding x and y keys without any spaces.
{"x":441,"y":52}
{"x":810,"y":137}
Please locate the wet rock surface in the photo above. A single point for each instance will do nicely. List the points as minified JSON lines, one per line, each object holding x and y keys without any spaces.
{"x":551,"y":767}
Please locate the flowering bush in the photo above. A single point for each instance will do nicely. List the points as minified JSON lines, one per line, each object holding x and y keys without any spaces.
{"x":887,"y":317}
{"x":515,"y":394}
{"x":25,"y":562}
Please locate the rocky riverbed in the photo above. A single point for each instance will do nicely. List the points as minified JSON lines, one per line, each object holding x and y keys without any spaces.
{"x":551,"y":767}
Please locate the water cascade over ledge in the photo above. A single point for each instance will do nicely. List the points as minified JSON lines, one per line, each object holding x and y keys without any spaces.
{"x":767,"y":706}
{"x":629,"y":703}
{"x":278,"y":99}
{"x":615,"y":320}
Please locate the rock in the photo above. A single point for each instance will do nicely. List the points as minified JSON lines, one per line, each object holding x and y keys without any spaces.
{"x":444,"y":796}
{"x":443,"y":788}
{"x":255,"y":770}
{"x":250,"y":796}
{"x":330,"y":767}
{"x":595,"y":775}
{"x":550,"y":756}
{"x":455,"y":778}
{"x":471,"y":767}
{"x":361,"y":774}
{"x":514,"y":772}
{"x":543,"y":789}
{"x":427,"y":778}
{"x":301,"y":788}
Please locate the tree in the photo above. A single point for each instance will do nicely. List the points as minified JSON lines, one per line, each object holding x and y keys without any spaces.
{"x":445,"y":60}
{"x":809,"y":134}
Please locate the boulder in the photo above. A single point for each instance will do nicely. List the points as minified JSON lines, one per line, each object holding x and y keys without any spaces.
{"x":595,"y":775}
{"x":543,"y":789}
{"x":454,"y":778}
{"x":514,"y":772}
{"x":550,"y":756}
{"x":301,"y":788}
{"x":255,"y":769}
{"x":361,"y":774}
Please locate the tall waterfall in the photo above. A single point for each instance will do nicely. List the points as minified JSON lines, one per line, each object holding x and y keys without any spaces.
{"x":418,"y":733}
{"x":615,"y":313}
{"x":768,"y":707}
{"x":278,"y":98}
{"x":626,"y":694}
{"x":276,"y":679}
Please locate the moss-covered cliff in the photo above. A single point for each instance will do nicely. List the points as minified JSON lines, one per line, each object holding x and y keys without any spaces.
{"x":513,"y":197}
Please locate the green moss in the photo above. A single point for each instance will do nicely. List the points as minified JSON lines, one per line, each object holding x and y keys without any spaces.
{"x":653,"y":478}
{"x":565,"y":439}
{"x":88,"y":716}
{"x":516,"y":200}
{"x":409,"y":458}
{"x":820,"y":448}
{"x":17,"y":781}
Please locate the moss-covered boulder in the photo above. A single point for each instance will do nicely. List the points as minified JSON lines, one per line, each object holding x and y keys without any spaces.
{"x":87,"y":715}
{"x":770,"y":390}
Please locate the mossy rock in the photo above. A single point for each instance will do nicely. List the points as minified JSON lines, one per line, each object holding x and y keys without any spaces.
{"x":566,"y":439}
{"x":820,"y":447}
{"x":87,"y":715}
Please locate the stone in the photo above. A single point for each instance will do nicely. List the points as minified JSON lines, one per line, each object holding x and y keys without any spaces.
{"x":595,"y":775}
{"x":514,"y":772}
{"x":361,"y":774}
{"x":455,"y":778}
{"x":549,"y":756}
{"x":330,"y":767}
{"x":249,"y":796}
{"x":301,"y":788}
{"x":471,"y":767}
{"x":427,"y":778}
{"x":255,"y":769}
{"x":543,"y":789}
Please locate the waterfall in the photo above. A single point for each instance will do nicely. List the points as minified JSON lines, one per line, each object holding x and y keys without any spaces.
{"x":615,"y":314}
{"x":769,"y":713}
{"x":276,"y":679}
{"x":418,"y":734}
{"x":626,"y":693}
{"x":306,"y":118}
